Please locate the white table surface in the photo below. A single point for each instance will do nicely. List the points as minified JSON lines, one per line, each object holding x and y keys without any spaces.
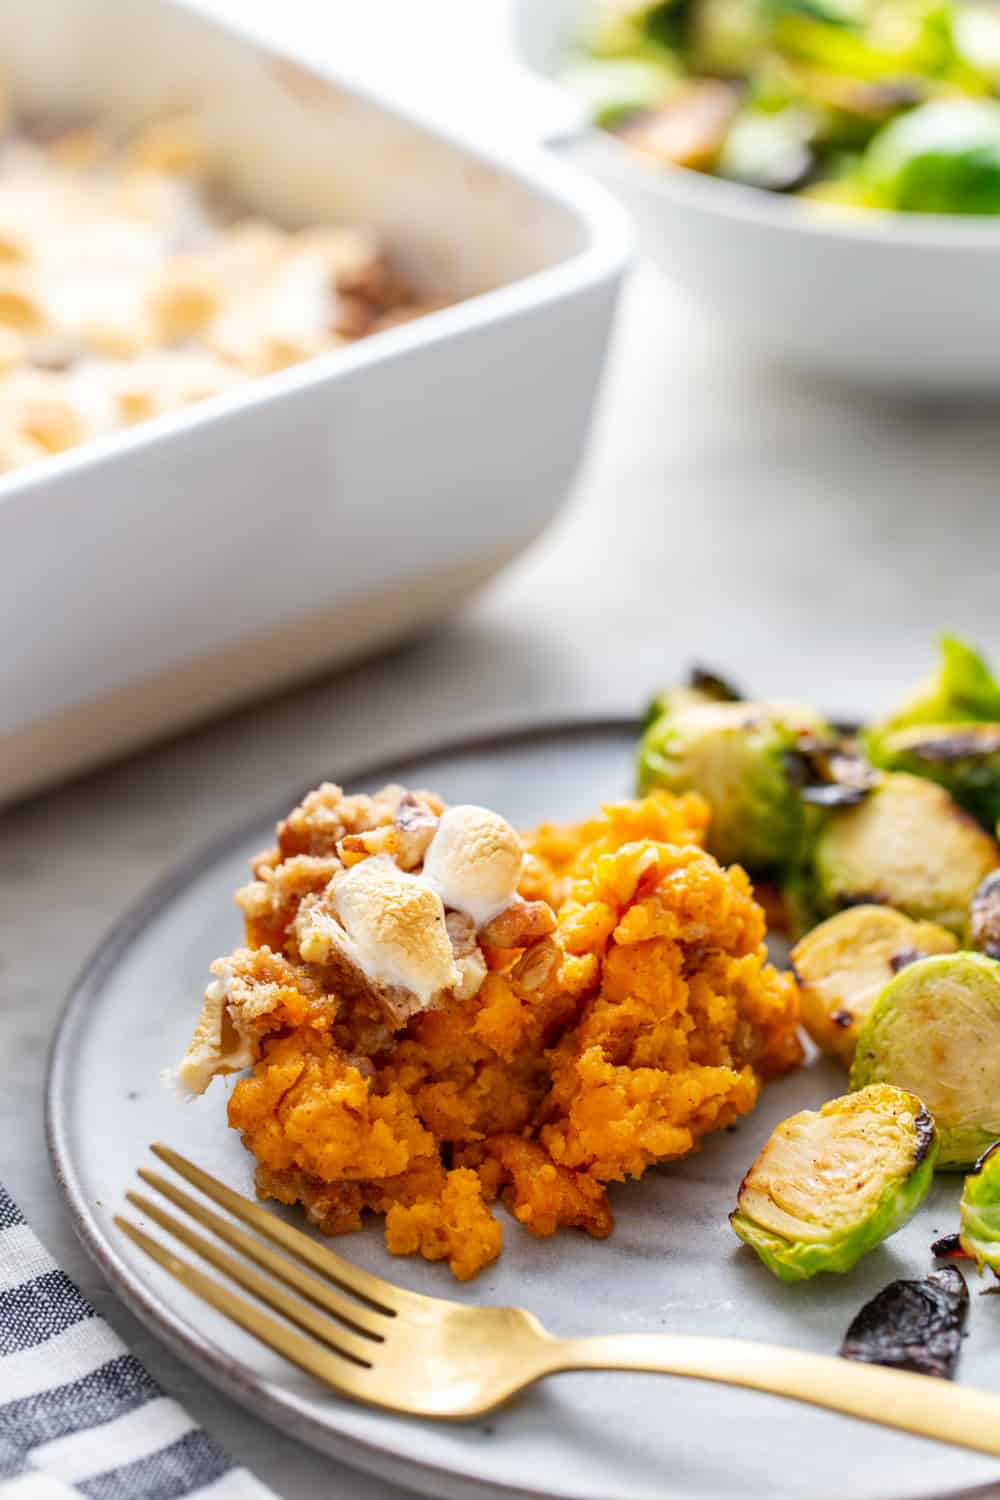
{"x":804,"y":540}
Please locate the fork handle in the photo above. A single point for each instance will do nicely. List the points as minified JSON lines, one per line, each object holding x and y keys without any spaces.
{"x":920,"y":1404}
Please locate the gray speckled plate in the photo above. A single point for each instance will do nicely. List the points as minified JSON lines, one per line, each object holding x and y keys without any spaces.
{"x":672,"y":1264}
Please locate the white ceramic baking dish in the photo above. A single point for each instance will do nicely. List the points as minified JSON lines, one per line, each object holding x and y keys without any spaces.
{"x":154,"y":576}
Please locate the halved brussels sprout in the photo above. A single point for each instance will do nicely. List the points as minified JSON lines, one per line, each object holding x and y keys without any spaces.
{"x":935,"y":1029}
{"x":831,"y":1184}
{"x":979,"y":1212}
{"x":984,"y":917}
{"x":907,"y":845}
{"x":962,"y":757}
{"x":941,"y":158}
{"x":843,"y":965}
{"x":736,"y":755}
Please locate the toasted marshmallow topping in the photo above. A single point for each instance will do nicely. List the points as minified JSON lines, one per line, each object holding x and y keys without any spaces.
{"x":215,"y":1046}
{"x":474,"y":862}
{"x":395,"y":926}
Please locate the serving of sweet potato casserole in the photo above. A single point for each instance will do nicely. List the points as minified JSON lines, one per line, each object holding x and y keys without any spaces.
{"x":436,"y":1013}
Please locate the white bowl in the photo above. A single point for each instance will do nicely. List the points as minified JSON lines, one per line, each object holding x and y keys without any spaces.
{"x":158,"y":574}
{"x":908,"y":303}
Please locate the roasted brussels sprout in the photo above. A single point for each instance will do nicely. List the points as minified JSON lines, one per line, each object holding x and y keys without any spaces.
{"x":736,"y":755}
{"x":961,"y":689}
{"x":832,"y":1184}
{"x":984,"y":917}
{"x":935,"y":1029}
{"x":843,"y":965}
{"x":979,"y":1212}
{"x":963,"y":758}
{"x":907,"y":845}
{"x":948,"y":731}
{"x":913,"y":1325}
{"x":941,"y":158}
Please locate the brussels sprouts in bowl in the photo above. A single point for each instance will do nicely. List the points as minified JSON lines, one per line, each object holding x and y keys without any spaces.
{"x":761,"y":147}
{"x":859,"y":103}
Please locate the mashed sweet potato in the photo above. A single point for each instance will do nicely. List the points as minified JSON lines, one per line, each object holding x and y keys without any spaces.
{"x":634,"y":1012}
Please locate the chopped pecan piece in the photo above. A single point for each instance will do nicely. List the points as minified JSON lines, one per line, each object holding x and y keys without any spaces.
{"x":414,"y":825}
{"x":519,"y":924}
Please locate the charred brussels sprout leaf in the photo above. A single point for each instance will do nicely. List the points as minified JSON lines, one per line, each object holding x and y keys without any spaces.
{"x":831,"y":773}
{"x":713,"y":685}
{"x":984,"y":917}
{"x":831,"y":1184}
{"x":962,"y":757}
{"x":735,"y":755}
{"x":913,"y":1325}
{"x":907,"y":845}
{"x":844,"y":964}
{"x":935,"y":1029}
{"x":942,"y":158}
{"x":948,"y":1247}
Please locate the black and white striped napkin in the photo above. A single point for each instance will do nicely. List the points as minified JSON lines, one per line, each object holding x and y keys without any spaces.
{"x":79,"y":1416}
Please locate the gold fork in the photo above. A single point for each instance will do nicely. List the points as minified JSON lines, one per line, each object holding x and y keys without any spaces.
{"x":429,"y":1357}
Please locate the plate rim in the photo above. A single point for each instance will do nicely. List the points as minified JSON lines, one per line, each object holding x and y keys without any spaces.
{"x":222,"y":1370}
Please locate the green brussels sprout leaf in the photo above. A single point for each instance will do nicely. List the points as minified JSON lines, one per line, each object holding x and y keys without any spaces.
{"x":961,"y":688}
{"x":979,"y":1212}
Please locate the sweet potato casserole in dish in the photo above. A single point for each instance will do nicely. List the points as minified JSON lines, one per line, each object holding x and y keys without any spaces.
{"x":132,"y":283}
{"x":437,"y":1013}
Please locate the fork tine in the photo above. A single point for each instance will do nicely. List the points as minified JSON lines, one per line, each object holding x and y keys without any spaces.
{"x":318,"y":1324}
{"x":355,"y":1314}
{"x":381,"y":1295}
{"x":339,"y":1373}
